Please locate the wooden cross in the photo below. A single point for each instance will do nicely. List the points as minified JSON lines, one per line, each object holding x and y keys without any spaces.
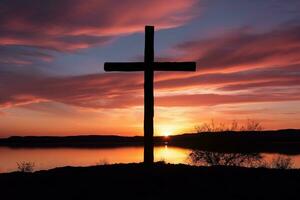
{"x":149,"y":66}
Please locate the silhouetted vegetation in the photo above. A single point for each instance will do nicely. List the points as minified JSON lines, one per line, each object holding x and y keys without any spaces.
{"x":210,"y":158}
{"x":103,"y":162}
{"x":213,"y":127}
{"x":281,"y":162}
{"x":25,"y":166}
{"x":161,"y":161}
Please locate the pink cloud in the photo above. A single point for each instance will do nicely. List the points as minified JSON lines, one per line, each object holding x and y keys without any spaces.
{"x":14,"y":56}
{"x":219,"y":99}
{"x":85,"y":91}
{"x":280,"y":83}
{"x":243,"y":49}
{"x":67,"y":25}
{"x":287,"y":75}
{"x":113,"y":91}
{"x":259,"y":60}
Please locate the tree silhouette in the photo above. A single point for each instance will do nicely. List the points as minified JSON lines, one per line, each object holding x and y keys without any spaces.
{"x":210,"y":158}
{"x":26,"y":166}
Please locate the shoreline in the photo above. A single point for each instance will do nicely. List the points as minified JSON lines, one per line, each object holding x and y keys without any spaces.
{"x":280,"y":141}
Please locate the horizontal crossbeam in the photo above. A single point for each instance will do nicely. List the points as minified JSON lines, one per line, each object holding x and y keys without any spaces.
{"x":124,"y":67}
{"x":174,"y":66}
{"x":157,"y":66}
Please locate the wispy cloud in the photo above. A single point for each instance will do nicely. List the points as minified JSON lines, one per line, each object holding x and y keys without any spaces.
{"x":242,"y":63}
{"x":243,"y":49}
{"x":67,"y":25}
{"x":288,"y":73}
{"x":116,"y":91}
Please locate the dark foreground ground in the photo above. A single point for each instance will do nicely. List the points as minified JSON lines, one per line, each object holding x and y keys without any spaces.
{"x":135,"y":181}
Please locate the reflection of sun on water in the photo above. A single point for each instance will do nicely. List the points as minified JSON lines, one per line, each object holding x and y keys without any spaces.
{"x":171,"y":155}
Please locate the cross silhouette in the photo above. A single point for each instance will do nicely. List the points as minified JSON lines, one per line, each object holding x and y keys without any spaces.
{"x":149,"y":66}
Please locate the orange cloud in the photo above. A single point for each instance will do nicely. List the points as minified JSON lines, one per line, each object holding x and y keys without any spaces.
{"x":123,"y":91}
{"x":2,"y":113}
{"x":219,"y":99}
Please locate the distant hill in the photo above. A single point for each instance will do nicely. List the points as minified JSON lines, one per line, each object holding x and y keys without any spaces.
{"x":71,"y":141}
{"x":282,"y":141}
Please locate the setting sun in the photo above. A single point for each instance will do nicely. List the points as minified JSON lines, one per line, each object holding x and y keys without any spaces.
{"x":167,"y":130}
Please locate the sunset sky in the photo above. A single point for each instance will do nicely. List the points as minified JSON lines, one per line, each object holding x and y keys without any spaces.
{"x":52,"y":53}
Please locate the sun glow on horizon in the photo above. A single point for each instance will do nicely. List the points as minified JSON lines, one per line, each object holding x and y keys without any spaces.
{"x":167,"y":130}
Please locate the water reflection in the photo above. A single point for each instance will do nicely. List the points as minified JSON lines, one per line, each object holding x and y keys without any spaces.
{"x":173,"y":155}
{"x":47,"y":158}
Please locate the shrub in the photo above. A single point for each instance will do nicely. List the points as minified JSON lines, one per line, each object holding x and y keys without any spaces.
{"x":103,"y":162}
{"x":209,"y":158}
{"x":161,"y":161}
{"x":26,"y":166}
{"x":282,"y":162}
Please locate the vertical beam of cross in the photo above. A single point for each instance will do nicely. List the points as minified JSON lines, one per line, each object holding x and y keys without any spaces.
{"x":148,"y":95}
{"x":149,"y":66}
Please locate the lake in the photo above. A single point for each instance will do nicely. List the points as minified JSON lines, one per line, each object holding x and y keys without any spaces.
{"x":47,"y":158}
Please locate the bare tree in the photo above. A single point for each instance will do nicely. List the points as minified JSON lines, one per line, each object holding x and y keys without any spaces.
{"x":205,"y":127}
{"x":234,"y":126}
{"x":102,"y":162}
{"x":252,"y":125}
{"x":209,"y":158}
{"x":282,"y":162}
{"x":26,"y":166}
{"x":212,"y":126}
